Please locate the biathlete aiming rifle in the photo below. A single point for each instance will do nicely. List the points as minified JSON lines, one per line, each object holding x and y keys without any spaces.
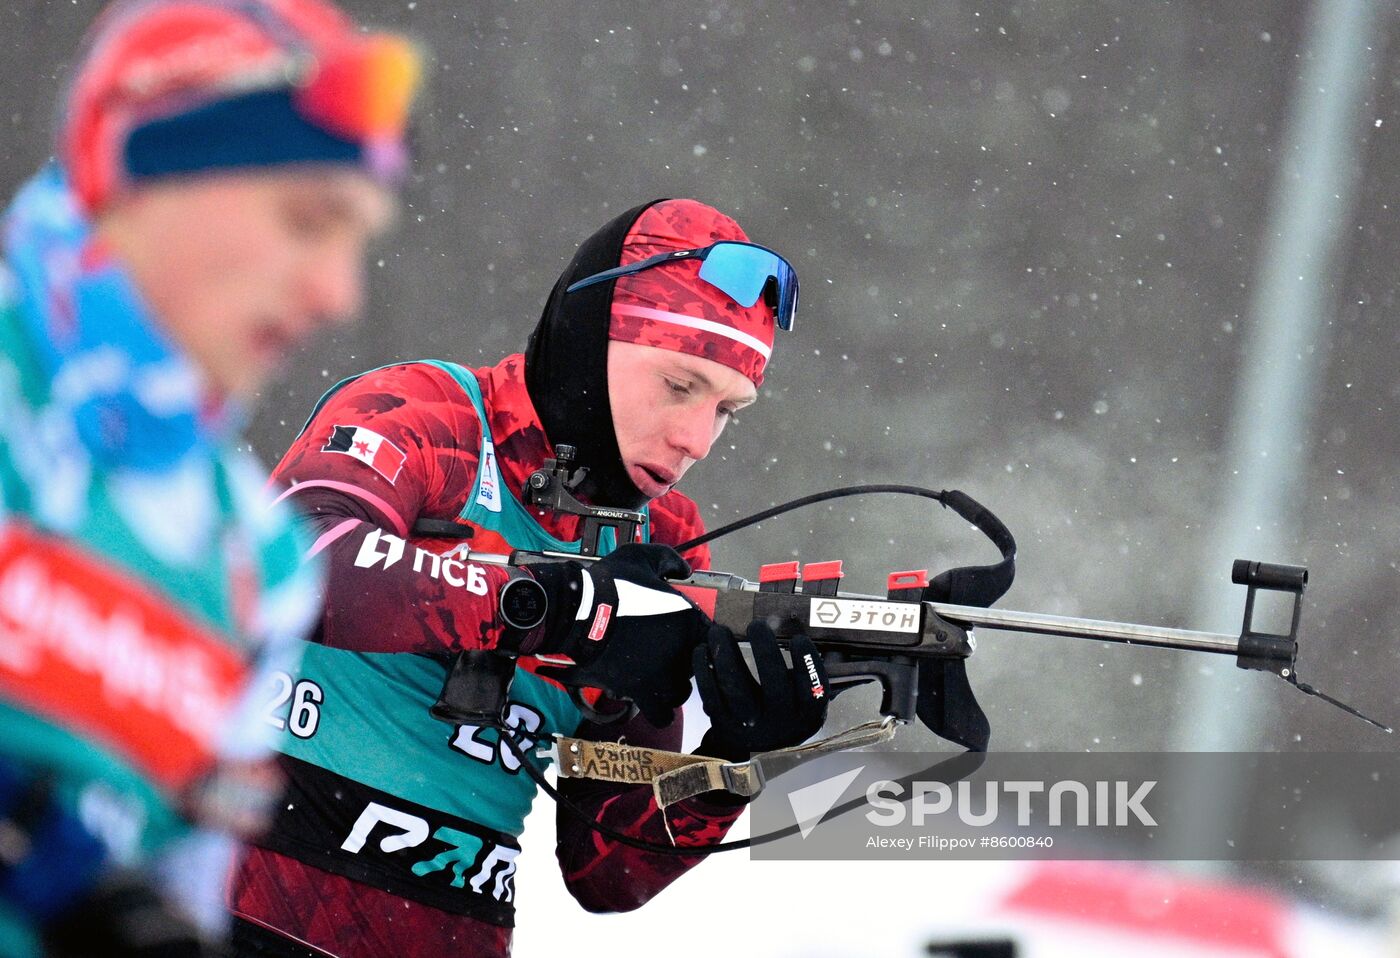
{"x":912,"y":641}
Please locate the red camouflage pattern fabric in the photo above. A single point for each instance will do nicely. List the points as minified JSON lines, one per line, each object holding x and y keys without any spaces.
{"x":425,"y":413}
{"x":149,"y":59}
{"x":641,"y":300}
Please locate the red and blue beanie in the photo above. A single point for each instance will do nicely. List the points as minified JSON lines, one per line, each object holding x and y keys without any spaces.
{"x":672,"y":308}
{"x":170,"y":87}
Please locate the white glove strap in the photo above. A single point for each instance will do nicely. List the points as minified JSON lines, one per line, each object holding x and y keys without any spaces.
{"x":585,"y":602}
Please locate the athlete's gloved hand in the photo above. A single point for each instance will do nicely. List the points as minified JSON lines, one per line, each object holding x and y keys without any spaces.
{"x":785,"y":706}
{"x":627,"y":631}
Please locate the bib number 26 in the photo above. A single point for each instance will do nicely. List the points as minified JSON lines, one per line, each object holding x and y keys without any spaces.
{"x":295,"y":706}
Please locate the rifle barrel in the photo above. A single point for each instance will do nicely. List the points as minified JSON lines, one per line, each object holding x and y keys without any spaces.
{"x":1124,"y":632}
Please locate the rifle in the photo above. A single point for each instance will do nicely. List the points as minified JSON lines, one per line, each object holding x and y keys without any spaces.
{"x":912,"y":647}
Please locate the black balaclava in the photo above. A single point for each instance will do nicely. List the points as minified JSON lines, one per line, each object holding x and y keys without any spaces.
{"x":566,"y":367}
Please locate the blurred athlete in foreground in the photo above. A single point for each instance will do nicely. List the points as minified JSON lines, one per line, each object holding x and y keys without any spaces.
{"x":220,"y":168}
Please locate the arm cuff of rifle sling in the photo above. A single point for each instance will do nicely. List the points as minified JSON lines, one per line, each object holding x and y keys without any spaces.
{"x":673,"y":776}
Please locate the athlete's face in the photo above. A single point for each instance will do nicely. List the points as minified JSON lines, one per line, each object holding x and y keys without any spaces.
{"x":668,"y":409}
{"x":241,"y":267}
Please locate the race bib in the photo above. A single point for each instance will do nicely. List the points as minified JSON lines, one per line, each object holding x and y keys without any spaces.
{"x":100,"y":653}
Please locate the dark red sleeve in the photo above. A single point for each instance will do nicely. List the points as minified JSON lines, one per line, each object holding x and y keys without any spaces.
{"x":605,"y":875}
{"x":392,"y":447}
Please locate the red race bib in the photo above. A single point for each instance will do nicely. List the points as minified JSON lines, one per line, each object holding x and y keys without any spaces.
{"x":103,"y":655}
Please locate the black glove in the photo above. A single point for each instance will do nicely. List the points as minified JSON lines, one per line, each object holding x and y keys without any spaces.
{"x":787,"y":704}
{"x":627,"y":631}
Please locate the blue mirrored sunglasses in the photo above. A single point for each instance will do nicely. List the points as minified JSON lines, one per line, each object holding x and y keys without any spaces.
{"x":742,"y":271}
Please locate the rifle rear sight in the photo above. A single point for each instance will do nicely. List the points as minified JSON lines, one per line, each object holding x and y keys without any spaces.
{"x":552,"y":487}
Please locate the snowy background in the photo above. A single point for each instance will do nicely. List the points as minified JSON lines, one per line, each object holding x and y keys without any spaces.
{"x":1034,"y":241}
